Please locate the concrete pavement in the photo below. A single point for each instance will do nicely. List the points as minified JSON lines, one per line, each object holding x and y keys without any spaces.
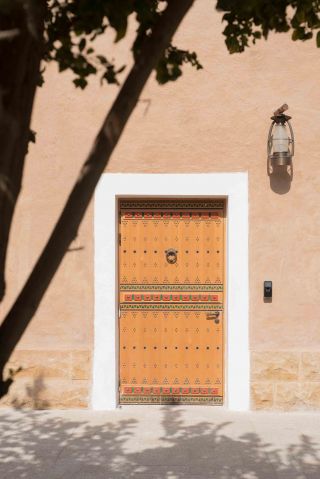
{"x":177,"y":442}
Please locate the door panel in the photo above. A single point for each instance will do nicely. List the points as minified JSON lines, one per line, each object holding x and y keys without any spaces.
{"x":171,"y":271}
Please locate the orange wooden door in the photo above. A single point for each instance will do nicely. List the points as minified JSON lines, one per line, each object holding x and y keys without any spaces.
{"x":171,"y":293}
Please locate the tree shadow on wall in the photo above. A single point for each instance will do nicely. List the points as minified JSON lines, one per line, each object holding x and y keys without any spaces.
{"x":38,"y":444}
{"x":32,"y":397}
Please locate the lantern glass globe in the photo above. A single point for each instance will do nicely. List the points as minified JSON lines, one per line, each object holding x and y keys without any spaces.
{"x":280,"y":139}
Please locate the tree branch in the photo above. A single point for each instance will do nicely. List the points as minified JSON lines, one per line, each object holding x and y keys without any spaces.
{"x":20,"y":56}
{"x":9,"y":34}
{"x":66,"y":228}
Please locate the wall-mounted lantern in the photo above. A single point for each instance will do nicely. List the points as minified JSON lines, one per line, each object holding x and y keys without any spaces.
{"x":280,"y":139}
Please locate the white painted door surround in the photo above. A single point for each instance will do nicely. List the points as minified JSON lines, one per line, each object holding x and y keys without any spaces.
{"x":112,"y":186}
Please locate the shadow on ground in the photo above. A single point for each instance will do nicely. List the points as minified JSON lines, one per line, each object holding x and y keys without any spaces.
{"x":40,"y":444}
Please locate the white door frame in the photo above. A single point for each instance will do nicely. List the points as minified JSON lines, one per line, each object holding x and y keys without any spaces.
{"x":112,"y":186}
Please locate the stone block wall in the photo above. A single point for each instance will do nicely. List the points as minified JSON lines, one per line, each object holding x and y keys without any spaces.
{"x":49,"y":379}
{"x":280,"y":380}
{"x":285,"y":380}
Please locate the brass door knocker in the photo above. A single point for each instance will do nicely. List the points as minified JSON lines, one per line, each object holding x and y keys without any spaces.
{"x":171,"y":255}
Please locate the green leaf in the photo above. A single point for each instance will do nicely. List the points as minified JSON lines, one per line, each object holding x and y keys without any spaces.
{"x":82,"y":44}
{"x":80,"y":83}
{"x":121,"y":30}
{"x":121,"y":69}
{"x":102,"y":59}
{"x":296,"y":35}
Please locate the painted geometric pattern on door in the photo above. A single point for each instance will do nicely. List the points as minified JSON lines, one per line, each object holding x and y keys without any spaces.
{"x":171,"y":275}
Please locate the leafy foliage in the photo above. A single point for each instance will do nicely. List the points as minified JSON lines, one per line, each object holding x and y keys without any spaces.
{"x":73,"y":25}
{"x":253,"y":19}
{"x":169,"y":67}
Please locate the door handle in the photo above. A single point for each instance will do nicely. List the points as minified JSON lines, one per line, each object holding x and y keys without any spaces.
{"x":214,"y":316}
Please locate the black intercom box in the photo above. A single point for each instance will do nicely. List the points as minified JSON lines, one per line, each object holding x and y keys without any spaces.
{"x":267,"y":289}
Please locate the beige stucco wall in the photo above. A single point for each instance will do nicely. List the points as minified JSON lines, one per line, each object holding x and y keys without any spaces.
{"x":213,"y":120}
